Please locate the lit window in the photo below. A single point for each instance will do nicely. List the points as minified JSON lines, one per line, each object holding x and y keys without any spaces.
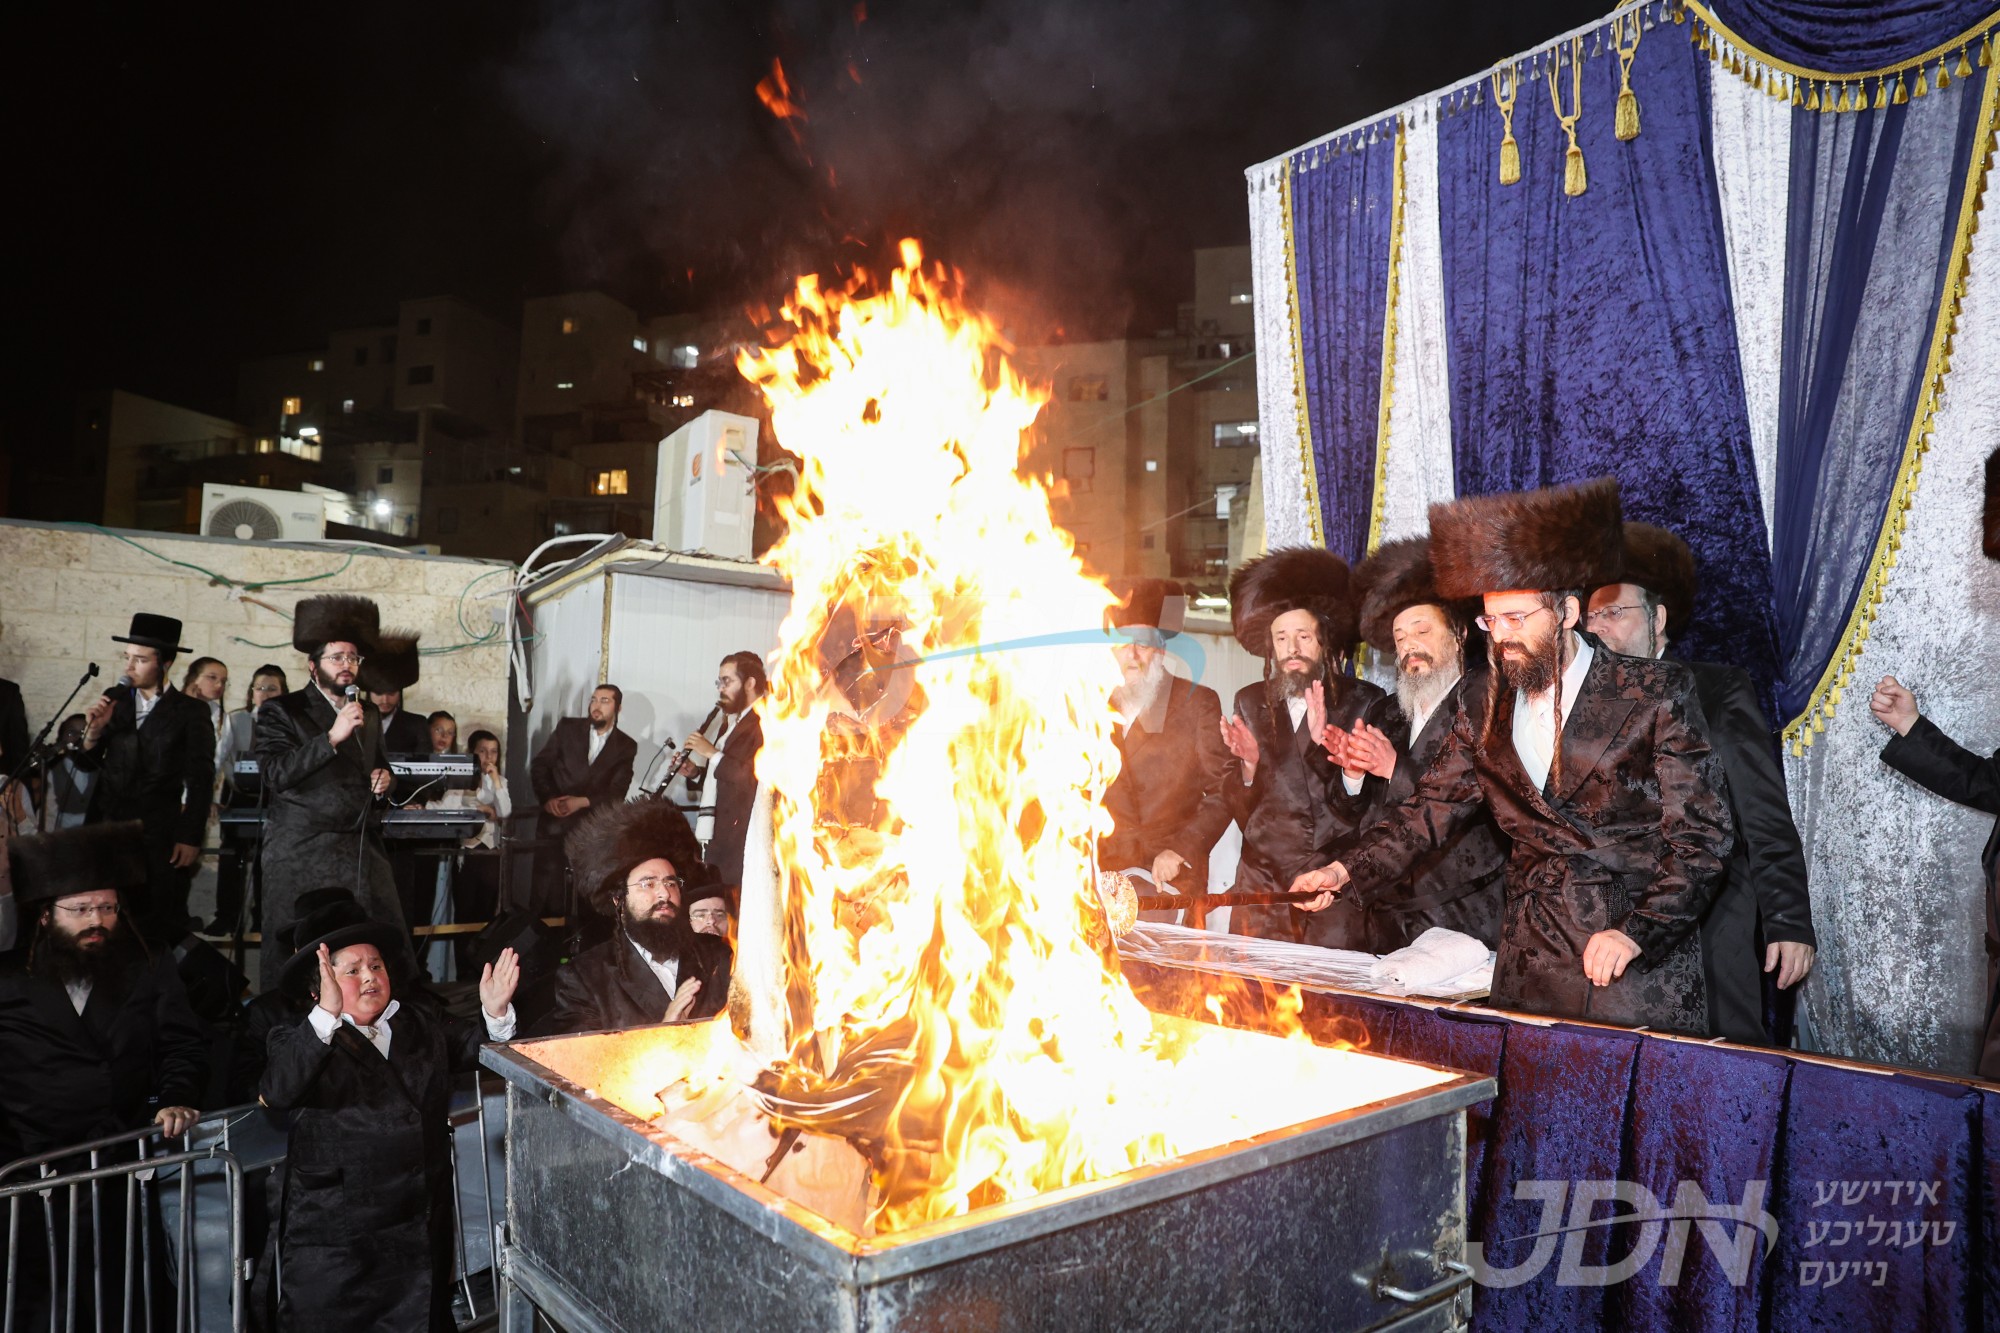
{"x":1239,"y":293}
{"x":347,"y":405}
{"x":1152,"y":465}
{"x":683,"y":400}
{"x":687,"y":358}
{"x":291,"y":408}
{"x":266,"y":445}
{"x":638,"y":344}
{"x":318,"y":364}
{"x":565,"y":384}
{"x":1228,"y":433}
{"x":569,"y":326}
{"x":1222,"y":349}
{"x":1224,"y":497}
{"x":612,"y":482}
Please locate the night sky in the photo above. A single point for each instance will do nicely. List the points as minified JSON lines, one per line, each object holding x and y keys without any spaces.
{"x":193,"y":190}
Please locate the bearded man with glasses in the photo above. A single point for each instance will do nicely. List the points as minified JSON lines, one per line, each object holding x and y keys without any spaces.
{"x":1597,"y":766}
{"x":323,"y":769}
{"x":632,"y":863}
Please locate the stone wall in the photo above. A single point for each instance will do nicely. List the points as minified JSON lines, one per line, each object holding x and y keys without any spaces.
{"x":65,"y":590}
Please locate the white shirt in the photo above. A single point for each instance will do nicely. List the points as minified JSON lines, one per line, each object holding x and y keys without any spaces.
{"x":668,"y":972}
{"x":324,"y":1025}
{"x":1297,"y":708}
{"x":597,"y":742}
{"x":142,"y":707}
{"x":79,"y":994}
{"x":1535,"y":722}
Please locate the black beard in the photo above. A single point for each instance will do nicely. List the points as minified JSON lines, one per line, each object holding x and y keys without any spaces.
{"x":1532,"y":676}
{"x":58,"y":957}
{"x":664,"y":941}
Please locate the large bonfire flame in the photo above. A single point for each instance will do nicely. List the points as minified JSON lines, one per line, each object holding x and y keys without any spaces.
{"x":953,"y":1010}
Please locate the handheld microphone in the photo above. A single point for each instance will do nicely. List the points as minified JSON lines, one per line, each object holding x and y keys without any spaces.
{"x":352,"y":692}
{"x":122,"y":688}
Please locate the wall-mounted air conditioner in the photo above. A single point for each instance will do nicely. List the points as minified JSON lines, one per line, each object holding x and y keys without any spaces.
{"x":258,"y":514}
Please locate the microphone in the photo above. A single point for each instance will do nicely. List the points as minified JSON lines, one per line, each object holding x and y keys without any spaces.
{"x":122,"y":688}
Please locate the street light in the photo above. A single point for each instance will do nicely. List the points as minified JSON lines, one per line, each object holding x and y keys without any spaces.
{"x":383,"y":509}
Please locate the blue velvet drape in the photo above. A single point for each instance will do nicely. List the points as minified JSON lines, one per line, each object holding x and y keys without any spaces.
{"x":1585,"y":1104}
{"x":1341,"y":208}
{"x":1594,"y":335}
{"x":1848,"y":36}
{"x":1875,"y":206}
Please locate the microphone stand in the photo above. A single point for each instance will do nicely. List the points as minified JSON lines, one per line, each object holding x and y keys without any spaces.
{"x":680,"y":760}
{"x":42,"y":736}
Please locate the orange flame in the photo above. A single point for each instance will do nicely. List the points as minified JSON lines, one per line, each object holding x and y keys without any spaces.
{"x":774,"y":90}
{"x":935,"y":801}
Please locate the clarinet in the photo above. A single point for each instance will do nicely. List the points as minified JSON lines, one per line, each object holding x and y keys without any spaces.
{"x":680,"y":760}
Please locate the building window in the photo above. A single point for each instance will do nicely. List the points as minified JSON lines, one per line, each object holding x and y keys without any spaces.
{"x":291,"y":408}
{"x":565,"y":384}
{"x":686,"y":357}
{"x":318,"y":364}
{"x":1146,"y":542}
{"x":385,"y":476}
{"x":424,"y":327}
{"x":683,"y":400}
{"x":266,"y":445}
{"x":1089,"y":389}
{"x":347,"y":405}
{"x":1225,"y":496}
{"x":611,"y":482}
{"x":638,"y":344}
{"x":1240,"y":293}
{"x":1152,"y":465}
{"x":1079,"y":468}
{"x":1229,"y":433}
{"x":569,"y":326}
{"x":361,"y":356}
{"x":422,"y":374}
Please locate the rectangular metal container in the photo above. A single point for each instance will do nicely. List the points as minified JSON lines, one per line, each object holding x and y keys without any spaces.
{"x":612,"y":1224}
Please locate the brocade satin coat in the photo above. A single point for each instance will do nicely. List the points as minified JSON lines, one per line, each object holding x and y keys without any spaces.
{"x":608,"y":986}
{"x":1764,"y":889}
{"x":1459,"y":885}
{"x":1172,"y":788}
{"x":364,"y":1211}
{"x":1633,"y":838}
{"x":319,"y":826}
{"x":70,"y":1077}
{"x":1297,"y":815}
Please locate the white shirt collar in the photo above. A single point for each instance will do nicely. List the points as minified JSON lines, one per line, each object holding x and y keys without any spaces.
{"x":668,"y":972}
{"x":1534,"y":719}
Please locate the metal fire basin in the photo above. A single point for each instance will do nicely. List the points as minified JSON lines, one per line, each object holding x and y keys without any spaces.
{"x":1352,"y":1221}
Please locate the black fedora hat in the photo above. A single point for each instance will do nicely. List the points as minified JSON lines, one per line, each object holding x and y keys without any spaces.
{"x":320,"y":912}
{"x":152,"y":631}
{"x":295,"y":976}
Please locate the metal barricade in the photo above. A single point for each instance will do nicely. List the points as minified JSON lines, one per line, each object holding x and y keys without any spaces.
{"x":61,"y":1242}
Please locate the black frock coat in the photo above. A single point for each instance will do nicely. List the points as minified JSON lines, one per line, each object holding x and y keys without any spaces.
{"x":162,"y":774}
{"x":319,"y":826}
{"x":1633,"y":839}
{"x":364,"y":1215}
{"x":734,"y":791}
{"x":1172,"y":789}
{"x":608,"y":986}
{"x":1763,"y":893}
{"x":1935,"y":761}
{"x":1458,"y":885}
{"x":1297,"y":815}
{"x":563,"y":767}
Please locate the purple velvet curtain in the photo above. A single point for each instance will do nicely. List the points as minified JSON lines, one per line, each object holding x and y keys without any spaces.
{"x":1848,"y":36}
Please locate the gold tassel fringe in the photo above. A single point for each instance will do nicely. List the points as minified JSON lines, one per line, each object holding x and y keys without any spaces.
{"x":1922,"y":86}
{"x":1510,"y":160}
{"x":1625,"y":120}
{"x":1575,"y":180}
{"x":1503,"y":101}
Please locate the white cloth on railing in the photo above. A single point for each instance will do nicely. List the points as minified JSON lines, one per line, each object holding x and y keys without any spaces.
{"x":1437,"y":959}
{"x":1287,"y":963}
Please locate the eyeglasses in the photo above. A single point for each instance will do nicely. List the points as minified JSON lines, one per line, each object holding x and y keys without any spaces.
{"x":1513,"y":620}
{"x":265,"y":689}
{"x":109,"y":911}
{"x":1604,"y":615}
{"x":656,"y":883}
{"x":342,"y":659}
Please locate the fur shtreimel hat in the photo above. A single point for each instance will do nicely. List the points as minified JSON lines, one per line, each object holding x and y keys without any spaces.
{"x":1159,"y":604}
{"x":1553,"y":540}
{"x":393,"y":663}
{"x":1992,"y":531}
{"x":1295,"y":578}
{"x":336,"y":618}
{"x":1662,"y":564}
{"x":48,"y":866}
{"x":1394,"y":579}
{"x":610,"y":841}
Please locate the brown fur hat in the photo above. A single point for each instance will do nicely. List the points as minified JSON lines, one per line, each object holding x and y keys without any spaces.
{"x":1662,"y":564}
{"x":1992,"y":534}
{"x":336,"y":618}
{"x":1294,"y":578}
{"x":1394,"y":579}
{"x":1558,"y":539}
{"x":47,"y":866}
{"x":1159,"y":604}
{"x":610,"y":840}
{"x":393,"y":663}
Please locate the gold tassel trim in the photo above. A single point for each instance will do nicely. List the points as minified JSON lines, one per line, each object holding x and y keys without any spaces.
{"x":1626,"y":119}
{"x":1388,"y":392}
{"x":1944,"y":77}
{"x":1299,"y":359}
{"x":1964,"y":67}
{"x":1901,"y":95}
{"x":1922,"y":86}
{"x":1503,"y":101}
{"x":1820,"y":90}
{"x":1575,"y":181}
{"x":1839,"y":674}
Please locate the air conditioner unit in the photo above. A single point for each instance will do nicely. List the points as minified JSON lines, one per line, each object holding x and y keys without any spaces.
{"x":705,"y":498}
{"x":257,"y":514}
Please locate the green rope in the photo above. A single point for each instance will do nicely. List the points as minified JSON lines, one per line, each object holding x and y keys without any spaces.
{"x":222,"y":579}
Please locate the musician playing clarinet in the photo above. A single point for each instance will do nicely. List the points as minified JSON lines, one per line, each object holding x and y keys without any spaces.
{"x":731,"y":759}
{"x":323,"y":768}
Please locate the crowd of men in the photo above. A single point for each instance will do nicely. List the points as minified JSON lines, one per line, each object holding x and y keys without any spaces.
{"x":1545,"y":776}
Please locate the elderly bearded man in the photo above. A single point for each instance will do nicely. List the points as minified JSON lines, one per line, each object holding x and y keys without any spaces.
{"x":1597,"y":766}
{"x":1294,"y":609}
{"x":1459,"y":884}
{"x":631,"y":863}
{"x":1764,"y":892}
{"x":1170,"y":800}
